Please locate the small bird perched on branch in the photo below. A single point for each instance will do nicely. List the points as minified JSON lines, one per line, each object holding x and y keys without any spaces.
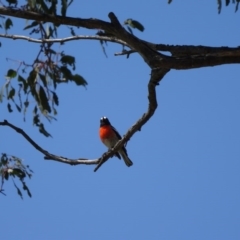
{"x":109,"y":136}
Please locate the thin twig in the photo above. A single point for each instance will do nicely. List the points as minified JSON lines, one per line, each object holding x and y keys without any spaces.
{"x":49,"y":156}
{"x":62,"y":40}
{"x":124,"y":52}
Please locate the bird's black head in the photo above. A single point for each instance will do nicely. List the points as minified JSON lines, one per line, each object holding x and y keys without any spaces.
{"x":104,"y":121}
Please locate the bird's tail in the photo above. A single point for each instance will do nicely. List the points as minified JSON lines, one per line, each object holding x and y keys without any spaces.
{"x":126,"y":159}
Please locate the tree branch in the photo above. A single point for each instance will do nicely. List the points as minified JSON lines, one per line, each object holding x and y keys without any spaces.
{"x":156,"y":76}
{"x":190,"y":62}
{"x":90,"y":23}
{"x":187,"y":50}
{"x":49,"y":156}
{"x":62,"y":40}
{"x":187,"y":56}
{"x":183,"y":57}
{"x":124,"y":52}
{"x":148,"y":54}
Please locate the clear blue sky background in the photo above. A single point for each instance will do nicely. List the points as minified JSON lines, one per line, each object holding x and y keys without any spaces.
{"x":185,"y":181}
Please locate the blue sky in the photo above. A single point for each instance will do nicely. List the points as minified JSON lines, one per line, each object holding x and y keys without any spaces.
{"x":185,"y":180}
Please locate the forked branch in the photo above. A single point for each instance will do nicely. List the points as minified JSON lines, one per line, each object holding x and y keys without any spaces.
{"x":156,"y":77}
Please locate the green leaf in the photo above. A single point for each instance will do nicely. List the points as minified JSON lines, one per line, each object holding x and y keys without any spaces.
{"x":54,"y":111}
{"x":35,"y":110}
{"x":25,"y":85}
{"x":64,"y":8}
{"x":6,"y":175}
{"x":49,"y":31}
{"x":44,"y":100}
{"x":43,"y":78}
{"x":43,"y":130}
{"x":26,"y":189}
{"x":33,"y":24}
{"x":53,"y":8}
{"x":4,"y":159}
{"x":219,"y":5}
{"x":67,"y":59}
{"x":18,"y":108}
{"x":12,"y":2}
{"x":43,"y":6}
{"x":55,"y":26}
{"x":237,"y":3}
{"x":26,"y":103}
{"x":31,"y":82}
{"x":18,"y":190}
{"x":79,"y":80}
{"x":55,"y":98}
{"x":66,"y":73}
{"x":9,"y":107}
{"x":72,"y":31}
{"x":134,"y":24}
{"x":19,"y":173}
{"x":11,"y":93}
{"x":32,"y":4}
{"x":11,"y":73}
{"x":2,"y":93}
{"x":32,"y":78}
{"x":103,"y":47}
{"x":36,"y":120}
{"x":8,"y":24}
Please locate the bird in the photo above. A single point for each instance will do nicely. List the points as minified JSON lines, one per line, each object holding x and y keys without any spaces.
{"x":109,"y":136}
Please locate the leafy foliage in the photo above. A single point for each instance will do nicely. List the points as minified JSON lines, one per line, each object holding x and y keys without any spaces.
{"x":219,"y":3}
{"x":12,"y":167}
{"x":40,"y":84}
{"x":12,"y":2}
{"x":236,"y":2}
{"x":6,"y":24}
{"x":35,"y":84}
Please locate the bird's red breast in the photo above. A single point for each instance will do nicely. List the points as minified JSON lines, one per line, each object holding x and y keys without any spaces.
{"x":106,"y":132}
{"x":109,"y":136}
